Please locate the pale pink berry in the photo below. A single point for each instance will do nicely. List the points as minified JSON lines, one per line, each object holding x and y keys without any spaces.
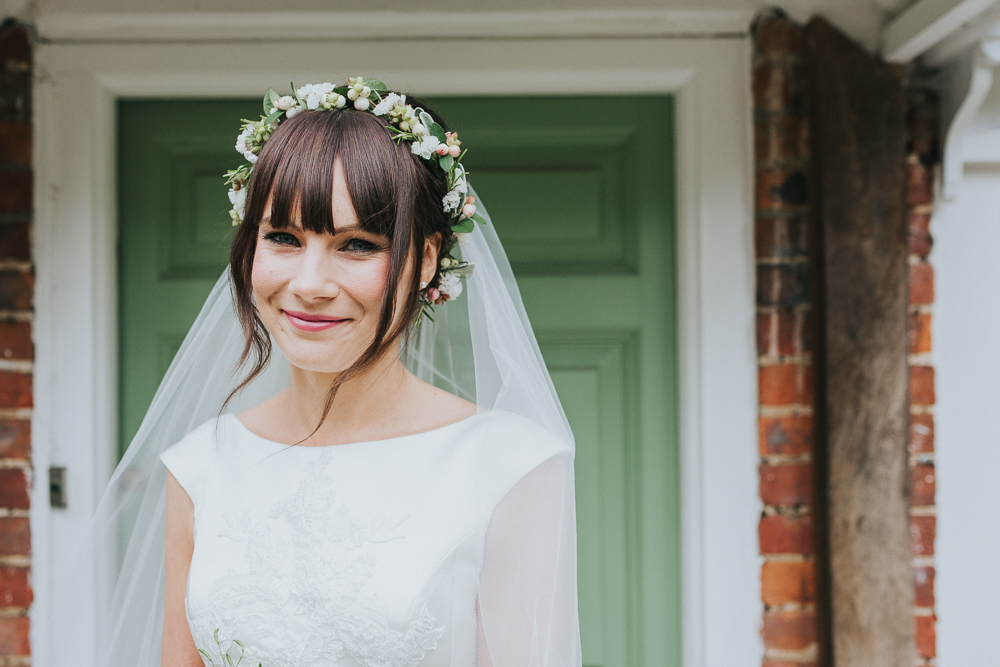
{"x":470,"y":200}
{"x":441,"y":149}
{"x":454,"y":151}
{"x":469,"y":210}
{"x":433,"y":293}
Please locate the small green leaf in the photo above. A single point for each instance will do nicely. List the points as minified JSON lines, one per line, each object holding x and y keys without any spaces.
{"x":341,"y":90}
{"x":463,"y":227}
{"x":273,"y":117}
{"x":295,"y":91}
{"x":273,"y":94}
{"x":446,"y":162}
{"x":267,"y":102}
{"x":438,"y":132}
{"x":375,"y":84}
{"x":478,"y":218}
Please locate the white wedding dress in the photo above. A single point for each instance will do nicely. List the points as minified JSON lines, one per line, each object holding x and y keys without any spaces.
{"x":439,"y":548}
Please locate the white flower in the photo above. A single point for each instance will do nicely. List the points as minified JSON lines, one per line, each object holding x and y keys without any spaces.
{"x":463,"y":239}
{"x":451,"y":285}
{"x":312,"y":93}
{"x":461,"y":182}
{"x":241,"y":144}
{"x":387,"y":103}
{"x":238,"y":198}
{"x":452,"y":200}
{"x":285,"y":103}
{"x":425,"y":147}
{"x":291,"y":112}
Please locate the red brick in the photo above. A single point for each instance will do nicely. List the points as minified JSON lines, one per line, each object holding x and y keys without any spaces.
{"x":776,"y":35}
{"x":919,"y":182}
{"x":780,"y":189}
{"x":789,"y":630}
{"x":779,"y":534}
{"x":15,"y":390}
{"x":784,"y":582}
{"x":15,"y":142}
{"x":926,"y":636}
{"x":781,"y":236}
{"x":781,"y":139}
{"x":921,"y":284}
{"x":787,"y":484}
{"x":785,"y":384}
{"x":922,"y":533}
{"x":923,"y":583}
{"x":15,"y":340}
{"x":921,"y":433}
{"x":15,"y":591}
{"x":783,"y":285}
{"x":15,"y":439}
{"x":920,"y":333}
{"x":15,"y":241}
{"x":922,"y":485}
{"x":15,"y":44}
{"x":15,"y":191}
{"x":17,"y":290}
{"x":15,"y":536}
{"x":14,"y":636}
{"x":14,"y":489}
{"x":920,"y":235}
{"x":922,"y":385}
{"x":785,"y":436}
{"x":783,"y":333}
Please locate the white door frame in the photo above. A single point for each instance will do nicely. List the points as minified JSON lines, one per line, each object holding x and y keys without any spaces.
{"x":74,"y":423}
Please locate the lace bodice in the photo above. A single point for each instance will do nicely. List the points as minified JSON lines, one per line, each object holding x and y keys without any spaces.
{"x":357,"y":554}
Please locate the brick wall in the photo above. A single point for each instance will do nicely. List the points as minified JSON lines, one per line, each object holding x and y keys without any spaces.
{"x":788,"y":576}
{"x":790,"y":627}
{"x":16,"y":350}
{"x":921,"y":163}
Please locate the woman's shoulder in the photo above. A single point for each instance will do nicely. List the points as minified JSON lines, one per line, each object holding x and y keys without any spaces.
{"x":506,"y":447}
{"x":196,"y":441}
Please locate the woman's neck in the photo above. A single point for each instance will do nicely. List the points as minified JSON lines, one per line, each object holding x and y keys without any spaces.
{"x":363,"y":407}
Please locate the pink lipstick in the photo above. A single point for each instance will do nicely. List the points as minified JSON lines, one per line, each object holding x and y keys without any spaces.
{"x":307,"y":322}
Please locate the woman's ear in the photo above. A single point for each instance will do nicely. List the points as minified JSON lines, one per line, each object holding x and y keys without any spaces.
{"x":429,"y":263}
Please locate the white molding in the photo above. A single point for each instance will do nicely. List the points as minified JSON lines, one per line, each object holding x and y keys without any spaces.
{"x":76,"y":306}
{"x":980,"y":82}
{"x":925,"y":23}
{"x":299,"y":26}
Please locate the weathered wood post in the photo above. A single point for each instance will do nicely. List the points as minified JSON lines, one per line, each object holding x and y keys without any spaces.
{"x":858,"y":120}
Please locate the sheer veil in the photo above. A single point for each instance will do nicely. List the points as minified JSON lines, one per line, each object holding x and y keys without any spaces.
{"x":480,"y":346}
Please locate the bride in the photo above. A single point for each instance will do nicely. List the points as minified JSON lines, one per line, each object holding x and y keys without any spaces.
{"x":331,"y":503}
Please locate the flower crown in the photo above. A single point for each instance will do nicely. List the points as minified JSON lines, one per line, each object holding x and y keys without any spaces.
{"x":427,"y":139}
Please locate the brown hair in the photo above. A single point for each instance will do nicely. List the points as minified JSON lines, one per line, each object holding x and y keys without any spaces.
{"x":395,"y":194}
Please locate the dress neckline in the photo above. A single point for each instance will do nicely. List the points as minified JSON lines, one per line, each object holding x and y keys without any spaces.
{"x":246,"y":431}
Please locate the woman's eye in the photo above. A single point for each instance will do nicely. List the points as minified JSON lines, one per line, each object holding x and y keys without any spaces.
{"x":282,"y":238}
{"x":360,"y":246}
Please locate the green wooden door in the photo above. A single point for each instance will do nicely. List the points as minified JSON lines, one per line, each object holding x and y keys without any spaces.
{"x":581,"y":191}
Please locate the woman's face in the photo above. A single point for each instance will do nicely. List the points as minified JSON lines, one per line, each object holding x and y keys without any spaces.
{"x":320,"y":295}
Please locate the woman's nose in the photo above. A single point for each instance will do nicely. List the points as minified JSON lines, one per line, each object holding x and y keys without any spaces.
{"x":315,"y":276}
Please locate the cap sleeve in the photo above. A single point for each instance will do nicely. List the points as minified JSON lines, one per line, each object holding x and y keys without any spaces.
{"x":187,"y":460}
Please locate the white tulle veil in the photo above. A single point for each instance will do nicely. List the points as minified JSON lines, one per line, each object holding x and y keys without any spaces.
{"x":480,"y":346}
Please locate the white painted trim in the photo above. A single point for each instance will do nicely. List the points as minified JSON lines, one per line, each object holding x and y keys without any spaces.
{"x":75,"y":242}
{"x":299,"y":26}
{"x":925,"y":23}
{"x":980,"y":82}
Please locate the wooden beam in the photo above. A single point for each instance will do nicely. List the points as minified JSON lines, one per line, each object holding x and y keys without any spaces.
{"x":858,"y":120}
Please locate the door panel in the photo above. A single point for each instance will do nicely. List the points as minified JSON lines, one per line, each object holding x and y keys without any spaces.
{"x":581,"y":193}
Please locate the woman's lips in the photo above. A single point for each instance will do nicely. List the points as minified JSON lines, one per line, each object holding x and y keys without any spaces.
{"x":307,"y":322}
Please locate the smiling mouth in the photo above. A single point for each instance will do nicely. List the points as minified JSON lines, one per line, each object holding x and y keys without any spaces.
{"x":307,"y":322}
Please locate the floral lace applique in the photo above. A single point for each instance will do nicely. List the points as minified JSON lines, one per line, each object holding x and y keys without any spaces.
{"x":300,"y":591}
